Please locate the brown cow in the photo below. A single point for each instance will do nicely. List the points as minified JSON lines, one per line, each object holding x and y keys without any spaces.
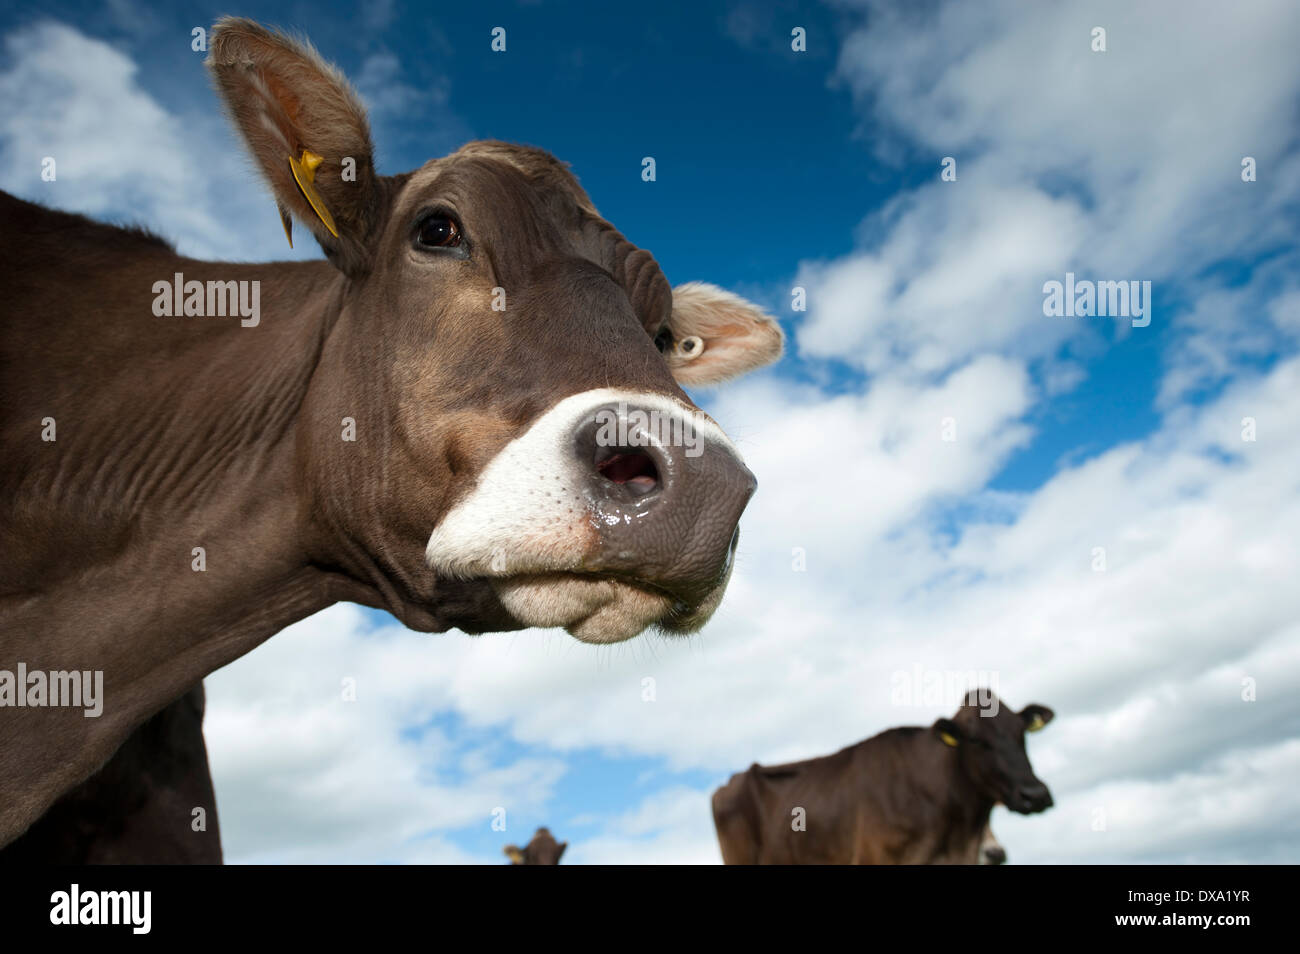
{"x":140,"y":808}
{"x":470,"y":416}
{"x":906,"y":796}
{"x":542,"y":850}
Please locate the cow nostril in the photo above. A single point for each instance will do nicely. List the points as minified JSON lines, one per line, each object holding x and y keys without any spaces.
{"x":634,"y":469}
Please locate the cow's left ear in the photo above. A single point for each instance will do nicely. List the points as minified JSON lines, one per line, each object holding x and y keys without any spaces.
{"x":306,"y":130}
{"x":560,"y":854}
{"x":1036,"y":716}
{"x":514,"y":854}
{"x":716,"y":335}
{"x":947,"y":732}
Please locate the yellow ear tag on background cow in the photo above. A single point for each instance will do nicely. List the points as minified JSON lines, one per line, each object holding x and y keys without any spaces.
{"x":948,"y":739}
{"x":1035,"y":724}
{"x":304,"y":173}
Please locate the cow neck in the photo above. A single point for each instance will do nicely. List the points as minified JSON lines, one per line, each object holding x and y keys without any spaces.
{"x":221,"y":475}
{"x":172,"y":540}
{"x":968,"y":808}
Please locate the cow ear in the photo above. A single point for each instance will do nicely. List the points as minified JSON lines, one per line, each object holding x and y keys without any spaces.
{"x":307,"y":132}
{"x":947,"y":732}
{"x":560,"y":854}
{"x":717,"y":335}
{"x":514,"y":854}
{"x":1036,"y":716}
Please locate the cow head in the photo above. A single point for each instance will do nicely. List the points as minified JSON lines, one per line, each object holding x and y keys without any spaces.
{"x":989,"y":739}
{"x":542,"y":850}
{"x":524,"y":454}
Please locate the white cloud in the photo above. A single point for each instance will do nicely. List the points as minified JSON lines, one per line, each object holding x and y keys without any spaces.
{"x":388,"y":96}
{"x":120,"y":155}
{"x":1117,"y":165}
{"x":310,"y":776}
{"x":960,"y":272}
{"x":667,"y":827}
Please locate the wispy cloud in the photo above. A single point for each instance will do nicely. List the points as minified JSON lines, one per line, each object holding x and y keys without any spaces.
{"x":120,"y":154}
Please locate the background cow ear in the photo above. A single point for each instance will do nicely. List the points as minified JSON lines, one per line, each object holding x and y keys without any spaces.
{"x":947,"y":732}
{"x":1036,"y":716}
{"x":717,"y":335}
{"x":560,"y":854}
{"x":284,"y":100}
{"x":514,"y":854}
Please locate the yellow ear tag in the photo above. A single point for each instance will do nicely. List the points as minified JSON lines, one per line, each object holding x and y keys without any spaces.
{"x":1036,"y":723}
{"x":304,"y":173}
{"x":287,"y":221}
{"x":948,"y":739}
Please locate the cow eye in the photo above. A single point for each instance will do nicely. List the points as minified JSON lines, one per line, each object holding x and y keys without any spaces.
{"x":439,"y":231}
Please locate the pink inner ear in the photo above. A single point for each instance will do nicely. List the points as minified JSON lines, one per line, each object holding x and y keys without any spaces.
{"x":731,"y":331}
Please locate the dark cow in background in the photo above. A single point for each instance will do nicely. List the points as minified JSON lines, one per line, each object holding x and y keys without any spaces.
{"x":991,"y":850}
{"x":909,"y":795}
{"x":470,"y":415}
{"x":542,"y":850}
{"x":140,"y":807}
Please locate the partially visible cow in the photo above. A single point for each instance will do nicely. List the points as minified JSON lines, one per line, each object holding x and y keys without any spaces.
{"x":909,"y":795}
{"x":991,"y":850}
{"x":140,"y":808}
{"x":542,"y":850}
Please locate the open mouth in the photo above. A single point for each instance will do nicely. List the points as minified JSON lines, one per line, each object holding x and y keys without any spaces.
{"x":598,"y":609}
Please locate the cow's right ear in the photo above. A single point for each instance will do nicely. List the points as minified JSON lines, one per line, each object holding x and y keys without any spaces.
{"x":514,"y":854}
{"x":716,"y":336}
{"x":1036,"y":716}
{"x":307,"y":131}
{"x":947,"y":732}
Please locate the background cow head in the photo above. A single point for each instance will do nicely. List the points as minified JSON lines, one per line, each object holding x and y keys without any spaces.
{"x":542,"y":850}
{"x":989,"y":739}
{"x":485,"y":325}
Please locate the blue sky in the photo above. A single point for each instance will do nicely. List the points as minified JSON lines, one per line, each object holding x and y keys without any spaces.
{"x":818,"y":169}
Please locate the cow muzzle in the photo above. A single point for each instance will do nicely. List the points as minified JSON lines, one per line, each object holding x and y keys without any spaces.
{"x":1030,"y":798}
{"x":613,"y":512}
